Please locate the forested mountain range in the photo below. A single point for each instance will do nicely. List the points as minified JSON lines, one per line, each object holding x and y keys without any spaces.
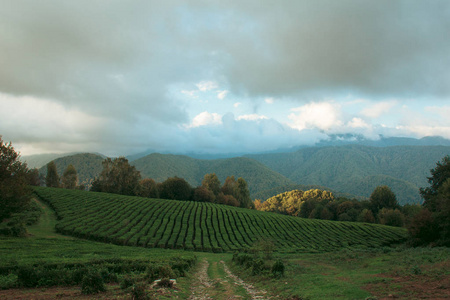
{"x":347,"y":170}
{"x":359,"y":169}
{"x":161,"y":166}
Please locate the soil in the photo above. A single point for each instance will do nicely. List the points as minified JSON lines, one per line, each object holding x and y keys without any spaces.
{"x":411,"y":287}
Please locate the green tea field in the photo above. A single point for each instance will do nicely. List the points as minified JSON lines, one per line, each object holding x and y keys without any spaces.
{"x":136,"y":221}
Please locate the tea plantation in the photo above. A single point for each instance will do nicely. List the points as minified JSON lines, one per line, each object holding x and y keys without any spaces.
{"x":144,"y":222}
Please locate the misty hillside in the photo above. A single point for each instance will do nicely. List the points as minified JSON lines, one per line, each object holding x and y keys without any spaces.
{"x":88,"y":166}
{"x":161,"y":166}
{"x":359,"y":169}
{"x":40,"y":160}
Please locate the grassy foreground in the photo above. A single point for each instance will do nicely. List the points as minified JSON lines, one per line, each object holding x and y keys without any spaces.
{"x":344,"y":274}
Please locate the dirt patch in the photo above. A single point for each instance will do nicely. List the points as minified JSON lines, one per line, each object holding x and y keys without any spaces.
{"x":251,"y":290}
{"x":113,"y":292}
{"x":411,"y":287}
{"x":202,"y":283}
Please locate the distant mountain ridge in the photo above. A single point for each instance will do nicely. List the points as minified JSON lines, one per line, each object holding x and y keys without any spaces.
{"x":358,"y":169}
{"x":347,"y":170}
{"x":161,"y":166}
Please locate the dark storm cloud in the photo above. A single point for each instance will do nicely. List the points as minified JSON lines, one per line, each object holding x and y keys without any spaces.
{"x":375,"y":48}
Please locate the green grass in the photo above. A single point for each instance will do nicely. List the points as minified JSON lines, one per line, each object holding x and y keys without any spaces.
{"x":357,"y":274}
{"x":207,"y":227}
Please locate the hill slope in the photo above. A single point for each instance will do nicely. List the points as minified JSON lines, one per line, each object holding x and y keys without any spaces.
{"x":359,"y":169}
{"x":201,"y":226}
{"x":161,"y":166}
{"x":88,"y":166}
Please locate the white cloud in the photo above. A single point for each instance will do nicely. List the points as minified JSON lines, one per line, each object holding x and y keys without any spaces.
{"x":237,"y":104}
{"x":357,"y":123}
{"x":252,"y":117}
{"x":205,"y":86}
{"x":192,"y":94}
{"x":378,"y":109}
{"x":321,"y":115}
{"x":222,"y":94}
{"x":206,"y":118}
{"x":269,"y":100}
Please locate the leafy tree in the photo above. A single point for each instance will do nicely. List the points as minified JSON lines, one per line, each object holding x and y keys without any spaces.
{"x":34,"y":178}
{"x":383,"y":197}
{"x":391,"y":217}
{"x":70,"y":178}
{"x":432,"y":224}
{"x":149,"y":188}
{"x":14,"y":191}
{"x":423,"y":228}
{"x":212,"y":183}
{"x":439,"y":175}
{"x":229,"y":186}
{"x":203,"y":194}
{"x":366,"y":216}
{"x":52,"y":178}
{"x":227,"y":200}
{"x":242,"y":194}
{"x":175,"y":188}
{"x":117,"y":177}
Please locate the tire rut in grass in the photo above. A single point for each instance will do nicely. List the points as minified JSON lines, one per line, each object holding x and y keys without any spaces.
{"x":223,"y":285}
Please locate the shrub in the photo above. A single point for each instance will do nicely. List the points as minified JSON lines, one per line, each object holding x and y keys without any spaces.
{"x":126,"y":282}
{"x":27,"y":276}
{"x":138,"y":292}
{"x":92,"y":283}
{"x":155,"y":271}
{"x":257,"y":266}
{"x":278,"y":269}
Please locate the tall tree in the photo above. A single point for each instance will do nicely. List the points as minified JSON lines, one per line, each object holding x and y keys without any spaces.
{"x":439,"y":176}
{"x":70,"y":178}
{"x":229,"y":186}
{"x":34,"y":178}
{"x":14,"y":191}
{"x":383,"y":197}
{"x":242,"y":194}
{"x":212,"y":183}
{"x":52,"y":179}
{"x":435,"y":217}
{"x":149,"y":188}
{"x":117,"y":177}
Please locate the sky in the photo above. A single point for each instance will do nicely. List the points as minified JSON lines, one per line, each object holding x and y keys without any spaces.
{"x":122,"y":77}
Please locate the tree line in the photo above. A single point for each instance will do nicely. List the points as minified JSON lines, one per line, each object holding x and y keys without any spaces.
{"x":119,"y":177}
{"x":382,"y":207}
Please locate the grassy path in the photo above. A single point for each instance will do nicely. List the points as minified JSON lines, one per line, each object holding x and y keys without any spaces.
{"x":45,"y":228}
{"x":214,"y":280}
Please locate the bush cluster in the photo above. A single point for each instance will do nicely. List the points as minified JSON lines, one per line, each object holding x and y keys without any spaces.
{"x":259,"y":266}
{"x":94,"y":273}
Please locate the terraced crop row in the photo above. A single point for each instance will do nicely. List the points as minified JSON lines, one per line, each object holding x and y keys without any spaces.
{"x":191,"y":225}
